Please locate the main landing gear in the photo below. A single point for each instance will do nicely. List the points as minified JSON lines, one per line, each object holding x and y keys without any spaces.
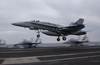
{"x":58,"y":39}
{"x":64,"y":38}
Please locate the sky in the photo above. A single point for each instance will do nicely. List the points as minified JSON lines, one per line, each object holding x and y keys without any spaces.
{"x":61,"y":12}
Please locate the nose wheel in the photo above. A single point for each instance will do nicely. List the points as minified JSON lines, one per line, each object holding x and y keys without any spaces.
{"x":58,"y":39}
{"x":38,"y":35}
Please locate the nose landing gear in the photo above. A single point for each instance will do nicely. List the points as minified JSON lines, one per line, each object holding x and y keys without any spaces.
{"x":38,"y":35}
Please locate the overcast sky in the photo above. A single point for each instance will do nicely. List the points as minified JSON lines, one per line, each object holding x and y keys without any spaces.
{"x":61,"y":12}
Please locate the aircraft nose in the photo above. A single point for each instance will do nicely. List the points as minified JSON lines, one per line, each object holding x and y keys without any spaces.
{"x":13,"y":23}
{"x":16,"y":24}
{"x":21,"y":24}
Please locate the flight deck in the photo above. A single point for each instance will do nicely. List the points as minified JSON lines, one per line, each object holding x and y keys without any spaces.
{"x":83,"y":55}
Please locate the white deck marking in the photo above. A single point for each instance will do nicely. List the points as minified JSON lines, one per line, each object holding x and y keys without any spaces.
{"x":69,"y":54}
{"x":20,"y":60}
{"x":32,"y":59}
{"x":72,"y":58}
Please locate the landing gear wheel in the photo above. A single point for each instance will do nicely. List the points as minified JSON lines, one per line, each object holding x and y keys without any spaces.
{"x":58,"y":39}
{"x":38,"y":35}
{"x":64,"y":38}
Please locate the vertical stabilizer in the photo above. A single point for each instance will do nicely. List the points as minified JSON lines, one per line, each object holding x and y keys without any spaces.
{"x":79,"y":21}
{"x":85,"y":38}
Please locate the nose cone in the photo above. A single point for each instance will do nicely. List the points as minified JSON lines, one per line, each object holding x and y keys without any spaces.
{"x":21,"y":24}
{"x":16,"y":24}
{"x":13,"y":23}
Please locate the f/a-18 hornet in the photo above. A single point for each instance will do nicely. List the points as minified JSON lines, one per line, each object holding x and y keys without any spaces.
{"x":29,"y":44}
{"x":76,"y":42}
{"x":54,"y":29}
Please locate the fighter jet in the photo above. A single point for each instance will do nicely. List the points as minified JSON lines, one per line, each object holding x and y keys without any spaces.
{"x":54,"y":29}
{"x":2,"y":42}
{"x":29,"y":44}
{"x":76,"y":42}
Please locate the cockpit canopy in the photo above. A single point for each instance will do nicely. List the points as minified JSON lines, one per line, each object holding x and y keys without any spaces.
{"x":35,"y":20}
